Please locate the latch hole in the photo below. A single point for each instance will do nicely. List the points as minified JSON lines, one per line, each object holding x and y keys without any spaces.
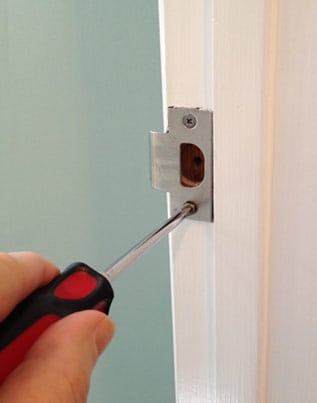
{"x":192,"y":165}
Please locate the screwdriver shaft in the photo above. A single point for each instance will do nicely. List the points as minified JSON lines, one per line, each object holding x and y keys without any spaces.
{"x":148,"y":242}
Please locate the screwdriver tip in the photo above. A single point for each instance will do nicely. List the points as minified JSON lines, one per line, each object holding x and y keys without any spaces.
{"x":189,"y":208}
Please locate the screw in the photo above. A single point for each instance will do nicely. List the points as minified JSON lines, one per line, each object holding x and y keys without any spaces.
{"x":189,"y":121}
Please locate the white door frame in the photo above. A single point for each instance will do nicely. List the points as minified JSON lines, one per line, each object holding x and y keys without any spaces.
{"x":245,"y":288}
{"x":186,"y":43}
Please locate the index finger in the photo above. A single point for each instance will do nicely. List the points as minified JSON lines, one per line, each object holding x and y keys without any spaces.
{"x":20,"y":274}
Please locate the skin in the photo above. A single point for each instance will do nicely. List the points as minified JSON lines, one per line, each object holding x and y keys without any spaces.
{"x":58,"y":366}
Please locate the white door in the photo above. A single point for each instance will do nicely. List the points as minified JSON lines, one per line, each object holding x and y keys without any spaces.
{"x":245,"y":288}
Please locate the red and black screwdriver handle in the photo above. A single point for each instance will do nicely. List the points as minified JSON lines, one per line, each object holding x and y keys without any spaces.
{"x":79,"y":287}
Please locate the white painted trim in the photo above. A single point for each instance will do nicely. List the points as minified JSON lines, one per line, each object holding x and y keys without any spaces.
{"x":243,"y":47}
{"x":265,"y":193}
{"x":292,"y":278}
{"x":187,"y":81}
{"x":245,"y":320}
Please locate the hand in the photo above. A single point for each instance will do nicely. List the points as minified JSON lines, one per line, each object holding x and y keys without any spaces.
{"x":57,"y":368}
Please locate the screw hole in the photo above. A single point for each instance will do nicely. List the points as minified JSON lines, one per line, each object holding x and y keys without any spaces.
{"x":198,"y":161}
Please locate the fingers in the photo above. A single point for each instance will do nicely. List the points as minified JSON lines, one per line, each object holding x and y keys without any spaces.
{"x":58,"y":367}
{"x":20,"y":274}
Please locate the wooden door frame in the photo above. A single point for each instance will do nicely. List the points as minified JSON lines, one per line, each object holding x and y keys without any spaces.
{"x":245,"y":288}
{"x":187,"y":81}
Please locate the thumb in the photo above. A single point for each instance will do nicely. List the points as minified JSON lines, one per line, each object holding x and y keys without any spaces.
{"x":57,"y":368}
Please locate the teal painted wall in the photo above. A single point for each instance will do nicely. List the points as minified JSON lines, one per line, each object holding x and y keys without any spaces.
{"x":79,"y":90}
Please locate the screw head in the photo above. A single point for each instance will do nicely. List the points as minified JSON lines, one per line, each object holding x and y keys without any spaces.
{"x":189,"y":121}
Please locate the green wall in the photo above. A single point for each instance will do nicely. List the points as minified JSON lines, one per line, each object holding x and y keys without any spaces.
{"x":79,"y":90}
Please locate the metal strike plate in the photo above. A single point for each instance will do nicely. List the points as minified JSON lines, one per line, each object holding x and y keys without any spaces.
{"x":182,"y":160}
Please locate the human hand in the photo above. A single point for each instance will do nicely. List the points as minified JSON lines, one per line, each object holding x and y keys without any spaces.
{"x":58,"y":366}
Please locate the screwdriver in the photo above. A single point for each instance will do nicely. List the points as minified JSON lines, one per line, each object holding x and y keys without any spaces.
{"x":77,"y":288}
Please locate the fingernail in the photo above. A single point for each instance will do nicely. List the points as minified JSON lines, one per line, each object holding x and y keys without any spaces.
{"x":104,"y":333}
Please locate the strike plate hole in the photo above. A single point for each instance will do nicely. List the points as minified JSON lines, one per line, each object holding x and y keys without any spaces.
{"x":192,"y":165}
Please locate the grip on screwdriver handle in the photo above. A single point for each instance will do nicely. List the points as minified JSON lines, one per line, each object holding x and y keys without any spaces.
{"x":78,"y":288}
